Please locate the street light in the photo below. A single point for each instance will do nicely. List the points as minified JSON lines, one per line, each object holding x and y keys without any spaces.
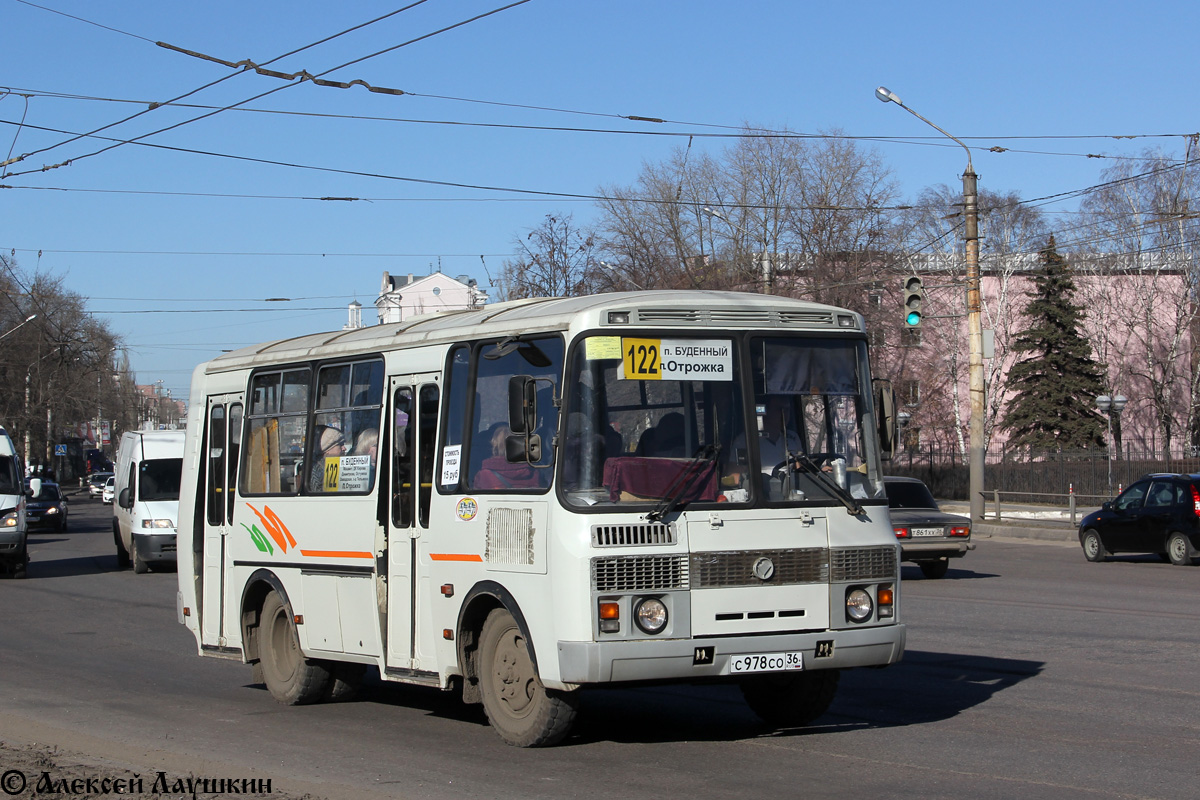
{"x":766,"y":261}
{"x":1110,"y":407}
{"x":30,"y":318}
{"x":974,"y":316}
{"x":620,"y":274}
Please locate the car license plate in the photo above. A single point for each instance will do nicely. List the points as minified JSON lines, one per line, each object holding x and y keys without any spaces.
{"x":927,"y":532}
{"x":766,"y":662}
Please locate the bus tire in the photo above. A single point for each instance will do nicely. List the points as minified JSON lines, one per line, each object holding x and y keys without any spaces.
{"x":345,"y":680}
{"x":791,"y":699}
{"x":291,"y":678}
{"x":521,"y":710}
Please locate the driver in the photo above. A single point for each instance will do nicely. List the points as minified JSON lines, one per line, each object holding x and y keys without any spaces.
{"x":778,"y":436}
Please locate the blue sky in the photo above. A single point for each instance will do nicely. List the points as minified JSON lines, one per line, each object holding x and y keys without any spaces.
{"x":161,"y":240}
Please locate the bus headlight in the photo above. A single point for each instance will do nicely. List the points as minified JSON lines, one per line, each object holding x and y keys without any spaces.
{"x":9,"y":521}
{"x":650,"y":615}
{"x":157,"y":523}
{"x":859,"y":605}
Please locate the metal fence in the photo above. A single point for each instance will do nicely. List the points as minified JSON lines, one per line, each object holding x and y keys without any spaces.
{"x":1025,"y":476}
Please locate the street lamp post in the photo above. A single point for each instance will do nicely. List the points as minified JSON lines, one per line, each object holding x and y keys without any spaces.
{"x":30,"y":318}
{"x":620,"y":274}
{"x":1110,"y":407}
{"x":974,"y":308}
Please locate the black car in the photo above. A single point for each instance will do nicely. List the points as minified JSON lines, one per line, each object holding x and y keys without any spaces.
{"x":928,"y":536}
{"x":47,"y":509}
{"x":1158,"y":514}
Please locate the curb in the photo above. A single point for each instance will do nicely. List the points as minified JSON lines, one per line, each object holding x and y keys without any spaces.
{"x":1017,"y":530}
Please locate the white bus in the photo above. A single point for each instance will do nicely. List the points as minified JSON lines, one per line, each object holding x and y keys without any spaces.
{"x":524,"y":499}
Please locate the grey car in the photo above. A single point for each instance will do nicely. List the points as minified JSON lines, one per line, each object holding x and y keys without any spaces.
{"x":928,"y":536}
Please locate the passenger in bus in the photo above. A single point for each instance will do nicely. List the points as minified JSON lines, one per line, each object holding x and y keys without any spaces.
{"x":367,"y":444}
{"x":665,"y":439}
{"x":332,"y":444}
{"x":500,"y":473}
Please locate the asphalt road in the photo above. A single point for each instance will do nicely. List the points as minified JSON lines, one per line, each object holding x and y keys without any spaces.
{"x":1029,"y":672}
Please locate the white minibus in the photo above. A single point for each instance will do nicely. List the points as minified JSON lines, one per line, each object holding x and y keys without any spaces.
{"x":520,"y":500}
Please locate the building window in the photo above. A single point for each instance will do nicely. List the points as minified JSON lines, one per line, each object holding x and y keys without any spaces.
{"x":911,"y":437}
{"x":876,"y":337}
{"x":909,"y":392}
{"x":910,"y":337}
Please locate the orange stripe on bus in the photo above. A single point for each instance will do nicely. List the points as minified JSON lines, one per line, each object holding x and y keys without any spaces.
{"x":455,"y":557}
{"x":336,"y":554}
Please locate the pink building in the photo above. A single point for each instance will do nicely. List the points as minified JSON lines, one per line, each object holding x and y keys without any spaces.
{"x":1139,"y":319}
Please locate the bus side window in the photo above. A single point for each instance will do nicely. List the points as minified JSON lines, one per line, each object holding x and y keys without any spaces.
{"x":403,"y":490}
{"x":275,"y":439}
{"x":427,"y":422}
{"x":216,"y":465}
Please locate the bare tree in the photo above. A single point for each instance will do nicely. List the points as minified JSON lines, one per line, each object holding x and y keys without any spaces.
{"x":56,"y":371}
{"x":1137,"y":240}
{"x":555,"y":259}
{"x":1012,"y":233}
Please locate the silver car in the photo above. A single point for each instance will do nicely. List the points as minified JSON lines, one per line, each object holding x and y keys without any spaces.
{"x":928,"y":536}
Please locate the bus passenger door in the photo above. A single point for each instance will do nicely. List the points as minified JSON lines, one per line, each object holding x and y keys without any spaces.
{"x":224,"y":420}
{"x":413,"y":422}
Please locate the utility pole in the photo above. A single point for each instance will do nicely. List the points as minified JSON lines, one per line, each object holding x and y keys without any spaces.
{"x":975,"y":452}
{"x":975,"y":461}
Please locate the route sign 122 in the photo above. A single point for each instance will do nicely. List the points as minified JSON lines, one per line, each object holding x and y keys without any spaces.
{"x":677,"y":359}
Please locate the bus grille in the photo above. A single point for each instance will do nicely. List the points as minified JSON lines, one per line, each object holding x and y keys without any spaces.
{"x":639,"y":573}
{"x":620,"y":535}
{"x":737,"y":567}
{"x":864,"y":563}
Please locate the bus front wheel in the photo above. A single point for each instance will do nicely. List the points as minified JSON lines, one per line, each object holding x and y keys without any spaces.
{"x":523,"y":711}
{"x":291,"y":678}
{"x":791,"y":699}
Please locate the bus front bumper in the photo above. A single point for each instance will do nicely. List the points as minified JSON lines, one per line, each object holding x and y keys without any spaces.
{"x":684,"y":659}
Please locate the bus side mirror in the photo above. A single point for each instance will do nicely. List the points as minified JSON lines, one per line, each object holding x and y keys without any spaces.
{"x":123,"y":499}
{"x":35,"y":487}
{"x":522,"y":404}
{"x":885,"y":412}
{"x":520,"y":447}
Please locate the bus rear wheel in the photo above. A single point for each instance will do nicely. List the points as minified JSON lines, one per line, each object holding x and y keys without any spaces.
{"x":521,"y":710}
{"x":291,"y":678}
{"x":791,"y":699}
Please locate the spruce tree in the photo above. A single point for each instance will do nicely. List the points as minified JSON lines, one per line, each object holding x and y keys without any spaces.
{"x":1056,"y":380}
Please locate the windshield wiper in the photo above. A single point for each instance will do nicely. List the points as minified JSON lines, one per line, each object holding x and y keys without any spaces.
{"x":813,"y":468}
{"x":684,"y":482}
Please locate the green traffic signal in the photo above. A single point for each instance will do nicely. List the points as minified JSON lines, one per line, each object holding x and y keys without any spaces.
{"x":913,"y":295}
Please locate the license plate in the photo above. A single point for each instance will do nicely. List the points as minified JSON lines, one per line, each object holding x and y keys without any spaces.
{"x":766,"y":662}
{"x":927,"y":532}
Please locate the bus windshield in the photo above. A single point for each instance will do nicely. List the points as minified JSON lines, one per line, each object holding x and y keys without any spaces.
{"x":653,"y":420}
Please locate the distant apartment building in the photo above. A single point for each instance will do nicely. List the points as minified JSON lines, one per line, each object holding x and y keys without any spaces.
{"x":403,"y":297}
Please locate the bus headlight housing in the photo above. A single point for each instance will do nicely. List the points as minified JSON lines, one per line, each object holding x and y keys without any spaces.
{"x":157,"y":523}
{"x":9,"y":521}
{"x":650,"y":615}
{"x":859,"y":605}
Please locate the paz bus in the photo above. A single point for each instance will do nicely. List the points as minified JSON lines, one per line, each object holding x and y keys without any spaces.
{"x":522,"y":500}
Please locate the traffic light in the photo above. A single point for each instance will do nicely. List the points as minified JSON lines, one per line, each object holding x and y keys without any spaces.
{"x":913,"y":295}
